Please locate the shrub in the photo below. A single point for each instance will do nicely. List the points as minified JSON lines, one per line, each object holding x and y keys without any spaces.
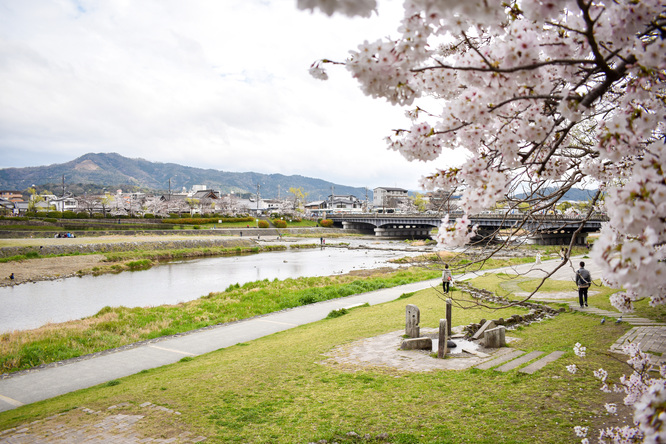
{"x":337,"y":313}
{"x":326,"y":223}
{"x":279,"y":223}
{"x":68,"y":215}
{"x":263,"y":224}
{"x":149,"y":216}
{"x":82,"y":215}
{"x":54,"y":214}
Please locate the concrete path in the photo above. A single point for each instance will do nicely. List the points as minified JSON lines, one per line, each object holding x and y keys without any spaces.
{"x":36,"y":385}
{"x":39,"y":384}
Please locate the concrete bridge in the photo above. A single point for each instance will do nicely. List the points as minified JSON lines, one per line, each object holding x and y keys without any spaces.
{"x":544,"y":230}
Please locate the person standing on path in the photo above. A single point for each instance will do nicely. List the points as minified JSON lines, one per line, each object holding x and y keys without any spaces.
{"x":583,"y":281}
{"x":446,"y":278}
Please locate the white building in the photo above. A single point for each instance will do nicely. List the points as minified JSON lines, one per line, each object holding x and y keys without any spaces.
{"x":384,"y":197}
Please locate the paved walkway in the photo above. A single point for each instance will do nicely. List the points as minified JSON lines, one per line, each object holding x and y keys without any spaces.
{"x":39,"y":384}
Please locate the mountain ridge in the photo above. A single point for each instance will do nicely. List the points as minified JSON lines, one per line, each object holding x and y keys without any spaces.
{"x":113,"y":169}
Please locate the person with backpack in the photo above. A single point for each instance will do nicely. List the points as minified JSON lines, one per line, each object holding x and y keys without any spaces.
{"x":583,"y":281}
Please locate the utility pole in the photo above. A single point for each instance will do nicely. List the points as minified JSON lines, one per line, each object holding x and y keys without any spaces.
{"x":63,"y":186}
{"x":258,"y":199}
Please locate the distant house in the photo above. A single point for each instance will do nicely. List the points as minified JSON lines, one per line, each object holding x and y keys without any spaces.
{"x":385,"y":198}
{"x":63,"y":204}
{"x":251,"y":206}
{"x":7,"y":206}
{"x":337,"y":204}
{"x":314,"y":206}
{"x":206,"y":194}
{"x":12,"y":196}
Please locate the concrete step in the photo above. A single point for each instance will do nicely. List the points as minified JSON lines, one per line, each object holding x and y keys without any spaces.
{"x":500,"y":360}
{"x":511,"y":365}
{"x":541,"y":363}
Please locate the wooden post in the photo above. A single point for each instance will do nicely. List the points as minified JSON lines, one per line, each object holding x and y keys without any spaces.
{"x":449,"y":321}
{"x":443,"y":346}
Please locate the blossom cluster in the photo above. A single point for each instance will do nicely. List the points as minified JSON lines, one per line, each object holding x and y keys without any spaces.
{"x":647,"y":396}
{"x":459,"y":233}
{"x":550,"y":94}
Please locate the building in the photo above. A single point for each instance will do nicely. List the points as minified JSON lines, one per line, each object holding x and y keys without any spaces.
{"x":388,"y":198}
{"x":64,"y":204}
{"x":336,"y":204}
{"x":12,"y":196}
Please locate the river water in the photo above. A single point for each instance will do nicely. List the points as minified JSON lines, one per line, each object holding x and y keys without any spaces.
{"x":32,"y":305}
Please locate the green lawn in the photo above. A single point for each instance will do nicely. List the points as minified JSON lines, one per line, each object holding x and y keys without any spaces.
{"x":277,"y":390}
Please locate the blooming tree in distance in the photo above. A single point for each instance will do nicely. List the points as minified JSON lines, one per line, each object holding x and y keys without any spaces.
{"x":542,"y":95}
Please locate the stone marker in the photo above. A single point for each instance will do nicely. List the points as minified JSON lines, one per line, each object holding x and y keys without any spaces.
{"x":416,"y":344}
{"x":495,"y":337}
{"x":413,"y":318}
{"x":443,"y":346}
{"x":449,"y":321}
{"x":486,"y":326}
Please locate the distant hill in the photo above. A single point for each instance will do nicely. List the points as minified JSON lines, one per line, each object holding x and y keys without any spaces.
{"x":115,"y":170}
{"x":574,"y":194}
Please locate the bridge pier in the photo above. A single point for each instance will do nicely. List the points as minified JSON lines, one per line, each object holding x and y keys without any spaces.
{"x":404,"y":232}
{"x":353,"y":226}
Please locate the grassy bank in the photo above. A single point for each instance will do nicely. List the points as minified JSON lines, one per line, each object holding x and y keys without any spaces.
{"x":507,"y":285}
{"x":114,"y":327}
{"x":284,"y":389}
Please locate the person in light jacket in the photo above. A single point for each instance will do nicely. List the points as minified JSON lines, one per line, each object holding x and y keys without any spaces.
{"x":446,"y":278}
{"x":583,"y":281}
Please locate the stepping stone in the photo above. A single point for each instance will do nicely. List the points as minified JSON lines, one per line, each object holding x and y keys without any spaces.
{"x":518,"y":362}
{"x":476,"y":353}
{"x":497,"y":361}
{"x":541,"y":363}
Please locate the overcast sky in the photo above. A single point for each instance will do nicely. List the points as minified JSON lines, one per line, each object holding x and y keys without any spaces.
{"x":217,"y":84}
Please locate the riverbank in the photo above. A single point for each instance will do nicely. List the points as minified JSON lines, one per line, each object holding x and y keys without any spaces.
{"x":81,"y":256}
{"x":114,"y":327}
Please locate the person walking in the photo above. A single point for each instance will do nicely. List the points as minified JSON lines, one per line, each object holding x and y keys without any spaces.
{"x":446,"y":278}
{"x":583,"y":281}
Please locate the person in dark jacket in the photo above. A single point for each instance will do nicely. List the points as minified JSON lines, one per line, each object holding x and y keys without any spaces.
{"x":583,"y":281}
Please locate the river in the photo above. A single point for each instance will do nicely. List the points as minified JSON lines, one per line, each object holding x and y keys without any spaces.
{"x":32,"y":305}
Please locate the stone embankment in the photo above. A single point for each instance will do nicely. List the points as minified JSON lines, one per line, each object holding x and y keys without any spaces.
{"x":537,"y":312}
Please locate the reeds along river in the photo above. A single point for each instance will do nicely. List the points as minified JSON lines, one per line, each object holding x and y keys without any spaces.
{"x":32,"y":305}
